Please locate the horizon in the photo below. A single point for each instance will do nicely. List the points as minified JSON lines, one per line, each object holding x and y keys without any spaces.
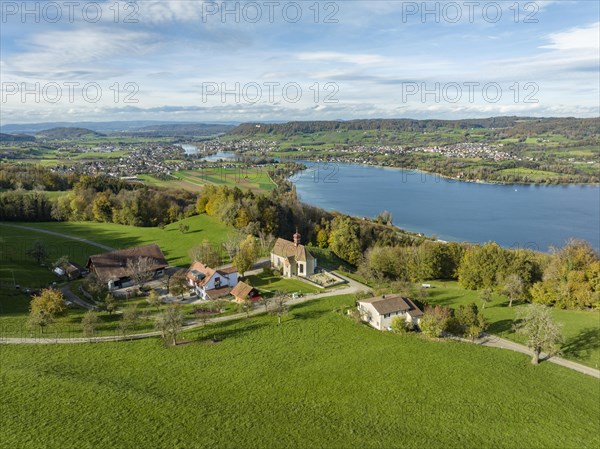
{"x":251,"y":62}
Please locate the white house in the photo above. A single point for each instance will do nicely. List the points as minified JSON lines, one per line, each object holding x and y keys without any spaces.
{"x":381,"y":310}
{"x":292,"y":258}
{"x":209,"y":283}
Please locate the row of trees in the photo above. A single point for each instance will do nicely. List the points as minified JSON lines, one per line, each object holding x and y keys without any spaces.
{"x":567,"y":278}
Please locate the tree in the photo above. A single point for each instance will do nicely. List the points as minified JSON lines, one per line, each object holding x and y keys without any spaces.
{"x":344,"y":239}
{"x":435,"y":321}
{"x":129,"y":320}
{"x":110,"y":303}
{"x":485,"y":296}
{"x":170,"y":322}
{"x":38,"y":252}
{"x":154,"y":299}
{"x":542,"y":333}
{"x":246,"y":306}
{"x":400,"y":325}
{"x":280,"y":306}
{"x":140,"y":270}
{"x":39,"y":319}
{"x":514,"y":288}
{"x":206,"y":254}
{"x":184,"y":227}
{"x":247,"y":255}
{"x":178,"y":284}
{"x":469,"y":321}
{"x":95,"y":287}
{"x":49,"y":301}
{"x":89,"y":323}
{"x":232,"y":245}
{"x":264,"y":301}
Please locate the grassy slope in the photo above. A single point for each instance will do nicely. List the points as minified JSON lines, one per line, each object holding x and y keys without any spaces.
{"x":581,"y":329}
{"x":174,"y":244}
{"x":320,"y":380}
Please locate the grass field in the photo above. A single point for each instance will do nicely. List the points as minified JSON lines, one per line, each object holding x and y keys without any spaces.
{"x":319,"y":380}
{"x":581,"y":329}
{"x":175,"y":245}
{"x":254,"y":178}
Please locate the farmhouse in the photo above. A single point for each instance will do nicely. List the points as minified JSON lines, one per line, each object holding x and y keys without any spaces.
{"x":209,"y":283}
{"x":292,"y":258}
{"x":242,"y":292}
{"x":112,"y":268}
{"x":380,"y":310}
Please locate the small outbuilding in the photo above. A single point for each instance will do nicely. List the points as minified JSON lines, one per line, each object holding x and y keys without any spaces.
{"x":242,"y":292}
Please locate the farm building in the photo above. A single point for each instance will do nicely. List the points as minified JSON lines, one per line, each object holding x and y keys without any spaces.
{"x":242,"y":292}
{"x":114,"y":268}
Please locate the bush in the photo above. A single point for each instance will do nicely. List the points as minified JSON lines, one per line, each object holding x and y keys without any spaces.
{"x":400,"y":325}
{"x":268,"y":271}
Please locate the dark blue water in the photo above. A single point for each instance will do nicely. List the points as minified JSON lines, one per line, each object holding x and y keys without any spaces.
{"x":512,"y":215}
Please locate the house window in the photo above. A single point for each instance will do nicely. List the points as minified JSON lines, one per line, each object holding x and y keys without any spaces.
{"x":301,"y":268}
{"x":387,"y":315}
{"x":217,"y":282}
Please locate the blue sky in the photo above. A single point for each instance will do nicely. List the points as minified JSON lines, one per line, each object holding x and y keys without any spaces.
{"x":172,"y":60}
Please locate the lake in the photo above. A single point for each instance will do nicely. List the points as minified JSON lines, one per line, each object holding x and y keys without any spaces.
{"x":529,"y":216}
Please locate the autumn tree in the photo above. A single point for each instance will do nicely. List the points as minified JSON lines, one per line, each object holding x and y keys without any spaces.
{"x":247,"y":255}
{"x":344,"y":239}
{"x":435,"y":321}
{"x":89,"y":323}
{"x":170,"y":322}
{"x":110,"y":303}
{"x":46,"y":307}
{"x":154,"y":299}
{"x":178,"y":284}
{"x":514,"y":288}
{"x":542,"y":333}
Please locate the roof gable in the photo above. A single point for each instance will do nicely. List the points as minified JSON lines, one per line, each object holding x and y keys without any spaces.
{"x":393,"y":303}
{"x":286,"y":249}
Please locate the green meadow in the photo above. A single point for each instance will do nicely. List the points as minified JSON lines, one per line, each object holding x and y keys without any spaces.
{"x":318,"y":380}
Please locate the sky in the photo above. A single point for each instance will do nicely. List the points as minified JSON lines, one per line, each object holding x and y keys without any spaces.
{"x":305,"y":60}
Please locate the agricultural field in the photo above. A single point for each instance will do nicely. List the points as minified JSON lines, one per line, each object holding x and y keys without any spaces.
{"x":581,"y":329}
{"x":315,"y":381}
{"x":253,"y":178}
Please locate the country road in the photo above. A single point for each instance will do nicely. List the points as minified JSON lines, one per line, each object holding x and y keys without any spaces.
{"x":58,"y":234}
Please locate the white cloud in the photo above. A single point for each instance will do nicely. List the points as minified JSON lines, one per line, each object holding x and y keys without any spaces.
{"x":578,"y":38}
{"x":347,"y":58}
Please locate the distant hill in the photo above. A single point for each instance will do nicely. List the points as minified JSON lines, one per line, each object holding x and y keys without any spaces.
{"x":67,"y":133}
{"x":183,"y":129}
{"x":522,"y":124}
{"x":101,"y":127}
{"x":16,"y":138}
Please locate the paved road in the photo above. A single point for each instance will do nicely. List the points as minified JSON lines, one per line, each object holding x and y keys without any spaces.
{"x":58,"y":234}
{"x":70,"y":296}
{"x":497,"y":342}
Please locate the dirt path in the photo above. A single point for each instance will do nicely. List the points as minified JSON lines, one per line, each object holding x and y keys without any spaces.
{"x":58,"y":234}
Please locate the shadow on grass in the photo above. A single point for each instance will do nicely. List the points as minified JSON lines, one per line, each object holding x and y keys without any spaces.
{"x":500,"y":327}
{"x":582,"y":345}
{"x":239,"y":330}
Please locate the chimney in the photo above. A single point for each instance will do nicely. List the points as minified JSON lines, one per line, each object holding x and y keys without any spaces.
{"x":296,"y":238}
